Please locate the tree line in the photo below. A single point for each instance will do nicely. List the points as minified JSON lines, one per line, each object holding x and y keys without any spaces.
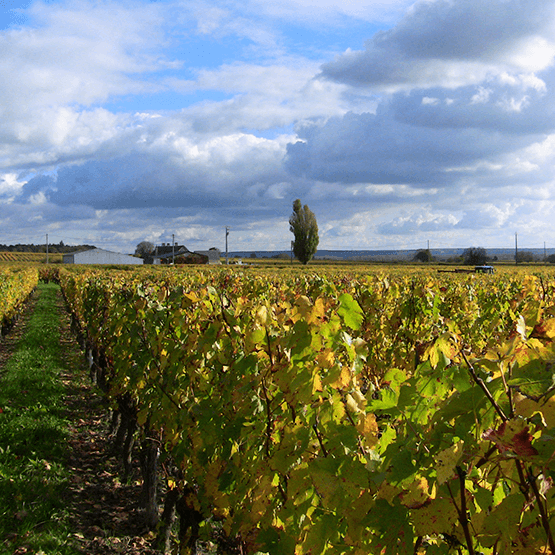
{"x":478,"y":256}
{"x":54,"y":248}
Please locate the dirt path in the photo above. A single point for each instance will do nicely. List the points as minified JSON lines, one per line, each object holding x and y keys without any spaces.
{"x":104,"y":514}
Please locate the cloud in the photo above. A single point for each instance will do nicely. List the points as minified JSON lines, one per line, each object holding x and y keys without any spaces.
{"x":171,"y":170}
{"x":418,"y":223}
{"x":387,"y":148}
{"x":453,"y":44}
{"x":462,"y":92}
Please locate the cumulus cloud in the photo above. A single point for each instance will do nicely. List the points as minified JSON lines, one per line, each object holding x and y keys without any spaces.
{"x":452,"y":44}
{"x":382,"y":148}
{"x":168,"y":170}
{"x":463,"y":92}
{"x":418,"y":223}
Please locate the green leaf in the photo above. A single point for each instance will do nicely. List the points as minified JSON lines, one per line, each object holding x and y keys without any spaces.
{"x":436,"y":517}
{"x":533,"y":379}
{"x":394,"y":533}
{"x":350,"y":311}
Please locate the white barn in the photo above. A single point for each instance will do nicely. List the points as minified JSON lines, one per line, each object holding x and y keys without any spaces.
{"x":99,"y":256}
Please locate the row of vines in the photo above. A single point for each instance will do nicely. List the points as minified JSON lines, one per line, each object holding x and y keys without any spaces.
{"x":16,"y":285}
{"x":333,"y":412}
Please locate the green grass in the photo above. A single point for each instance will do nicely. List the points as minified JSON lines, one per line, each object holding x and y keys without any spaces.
{"x":33,"y":433}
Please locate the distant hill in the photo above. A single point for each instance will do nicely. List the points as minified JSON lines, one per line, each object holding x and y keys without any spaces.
{"x":442,"y":255}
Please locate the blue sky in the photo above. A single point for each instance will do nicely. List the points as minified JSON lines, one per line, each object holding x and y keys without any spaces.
{"x":397,"y":122}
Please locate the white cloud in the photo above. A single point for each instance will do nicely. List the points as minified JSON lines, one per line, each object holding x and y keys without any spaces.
{"x":482,"y":96}
{"x":10,"y":186}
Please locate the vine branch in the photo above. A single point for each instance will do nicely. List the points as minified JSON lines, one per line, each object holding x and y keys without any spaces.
{"x":480,"y":383}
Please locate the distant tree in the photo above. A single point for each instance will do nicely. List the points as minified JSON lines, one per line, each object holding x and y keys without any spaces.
{"x":551,"y":258}
{"x":144,"y":249}
{"x":525,"y":256}
{"x":304,"y":227}
{"x":423,"y":255}
{"x":475,"y":256}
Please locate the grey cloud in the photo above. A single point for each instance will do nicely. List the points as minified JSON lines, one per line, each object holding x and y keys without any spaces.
{"x":452,"y":43}
{"x":385,"y":148}
{"x":466,"y":30}
{"x":498,"y":108}
{"x":142,"y":180}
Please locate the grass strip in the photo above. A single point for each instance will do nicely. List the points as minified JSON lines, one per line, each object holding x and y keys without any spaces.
{"x":33,"y":438}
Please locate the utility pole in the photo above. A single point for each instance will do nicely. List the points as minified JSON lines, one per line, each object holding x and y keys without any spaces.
{"x":226,"y":234}
{"x":173,"y":249}
{"x":47,"y":248}
{"x":516,"y":247}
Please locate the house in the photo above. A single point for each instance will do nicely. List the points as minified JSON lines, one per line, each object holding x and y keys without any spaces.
{"x":99,"y":256}
{"x":166,"y":254}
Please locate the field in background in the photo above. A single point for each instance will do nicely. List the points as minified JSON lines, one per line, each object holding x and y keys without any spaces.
{"x":33,"y":257}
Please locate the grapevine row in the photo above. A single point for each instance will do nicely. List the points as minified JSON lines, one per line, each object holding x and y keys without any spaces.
{"x":340,"y":413}
{"x":16,"y":285}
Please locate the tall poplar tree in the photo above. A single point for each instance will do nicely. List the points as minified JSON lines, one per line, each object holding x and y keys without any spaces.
{"x":302,"y":224}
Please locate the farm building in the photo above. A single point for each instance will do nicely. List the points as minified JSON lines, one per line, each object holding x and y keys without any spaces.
{"x":182,"y":255}
{"x":99,"y":256}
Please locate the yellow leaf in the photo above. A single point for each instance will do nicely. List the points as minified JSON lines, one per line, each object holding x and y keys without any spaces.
{"x":326,"y":359}
{"x":359,"y":398}
{"x":261,"y":317}
{"x":351,"y":404}
{"x":368,"y":428}
{"x":303,"y":305}
{"x":549,"y":328}
{"x":192,"y":296}
{"x":319,"y":310}
{"x":316,"y":382}
{"x":416,"y":494}
{"x":344,"y":379}
{"x":447,"y":460}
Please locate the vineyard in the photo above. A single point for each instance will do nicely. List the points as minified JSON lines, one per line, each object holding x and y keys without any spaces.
{"x":16,"y":285}
{"x":334,"y":412}
{"x":29,"y":257}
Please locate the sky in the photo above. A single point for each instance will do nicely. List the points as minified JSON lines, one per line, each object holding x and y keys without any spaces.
{"x":399,"y":123}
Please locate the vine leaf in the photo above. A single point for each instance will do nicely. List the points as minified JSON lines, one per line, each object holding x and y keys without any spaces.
{"x":350,"y":312}
{"x":436,"y":517}
{"x":447,"y":460}
{"x":368,"y":428}
{"x":514,"y":436}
